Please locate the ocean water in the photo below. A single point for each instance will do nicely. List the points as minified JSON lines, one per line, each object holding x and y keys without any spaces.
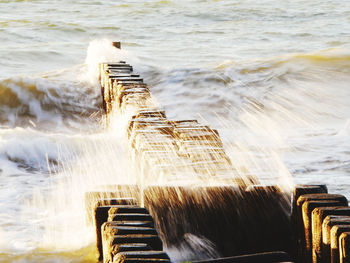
{"x":272,"y":76}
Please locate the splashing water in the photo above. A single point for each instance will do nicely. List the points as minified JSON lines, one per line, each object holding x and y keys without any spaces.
{"x":71,"y":151}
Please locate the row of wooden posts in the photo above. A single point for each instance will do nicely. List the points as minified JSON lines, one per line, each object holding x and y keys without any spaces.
{"x":162,"y":149}
{"x":316,"y":228}
{"x":159,"y":147}
{"x":320,"y":224}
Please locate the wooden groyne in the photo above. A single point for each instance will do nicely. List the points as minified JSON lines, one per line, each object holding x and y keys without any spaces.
{"x":159,"y":146}
{"x":245,"y":221}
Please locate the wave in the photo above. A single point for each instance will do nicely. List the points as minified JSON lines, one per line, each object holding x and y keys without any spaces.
{"x":65,"y":99}
{"x":44,"y":118}
{"x":290,"y":85}
{"x":296,"y":90}
{"x":46,"y":102}
{"x":68,"y":98}
{"x":333,"y":59}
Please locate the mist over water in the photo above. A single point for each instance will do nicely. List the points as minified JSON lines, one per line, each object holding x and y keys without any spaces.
{"x":271,"y":77}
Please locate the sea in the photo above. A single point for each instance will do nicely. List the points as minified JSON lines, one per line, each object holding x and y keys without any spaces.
{"x":273,"y":77}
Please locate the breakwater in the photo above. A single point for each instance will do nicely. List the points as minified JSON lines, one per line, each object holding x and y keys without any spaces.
{"x":137,"y":223}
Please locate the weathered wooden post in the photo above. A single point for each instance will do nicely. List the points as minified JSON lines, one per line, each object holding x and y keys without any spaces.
{"x":267,"y":216}
{"x":116,"y":44}
{"x":336,"y":231}
{"x":344,"y":248}
{"x":297,"y":220}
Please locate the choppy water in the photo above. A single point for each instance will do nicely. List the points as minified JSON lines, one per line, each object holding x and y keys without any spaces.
{"x":272,"y":76}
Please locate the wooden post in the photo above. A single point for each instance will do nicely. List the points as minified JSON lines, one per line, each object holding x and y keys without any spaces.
{"x":336,"y":231}
{"x":116,"y":45}
{"x":267,"y":217}
{"x":300,"y":190}
{"x":344,"y":247}
{"x":297,"y":220}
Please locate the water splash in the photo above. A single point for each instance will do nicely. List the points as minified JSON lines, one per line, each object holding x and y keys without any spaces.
{"x":102,"y":50}
{"x":256,"y":138}
{"x":193,"y":248}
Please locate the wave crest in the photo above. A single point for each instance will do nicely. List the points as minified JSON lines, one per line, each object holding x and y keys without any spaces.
{"x":45,"y":101}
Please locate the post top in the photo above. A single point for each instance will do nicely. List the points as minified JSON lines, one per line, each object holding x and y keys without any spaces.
{"x":116,"y":45}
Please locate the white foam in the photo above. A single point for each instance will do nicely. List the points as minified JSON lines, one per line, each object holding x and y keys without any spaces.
{"x":101,"y":50}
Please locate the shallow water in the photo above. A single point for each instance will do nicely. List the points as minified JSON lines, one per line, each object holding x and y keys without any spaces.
{"x":272,"y":77}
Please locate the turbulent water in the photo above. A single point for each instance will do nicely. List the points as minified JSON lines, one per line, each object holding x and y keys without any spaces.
{"x":272,"y":76}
